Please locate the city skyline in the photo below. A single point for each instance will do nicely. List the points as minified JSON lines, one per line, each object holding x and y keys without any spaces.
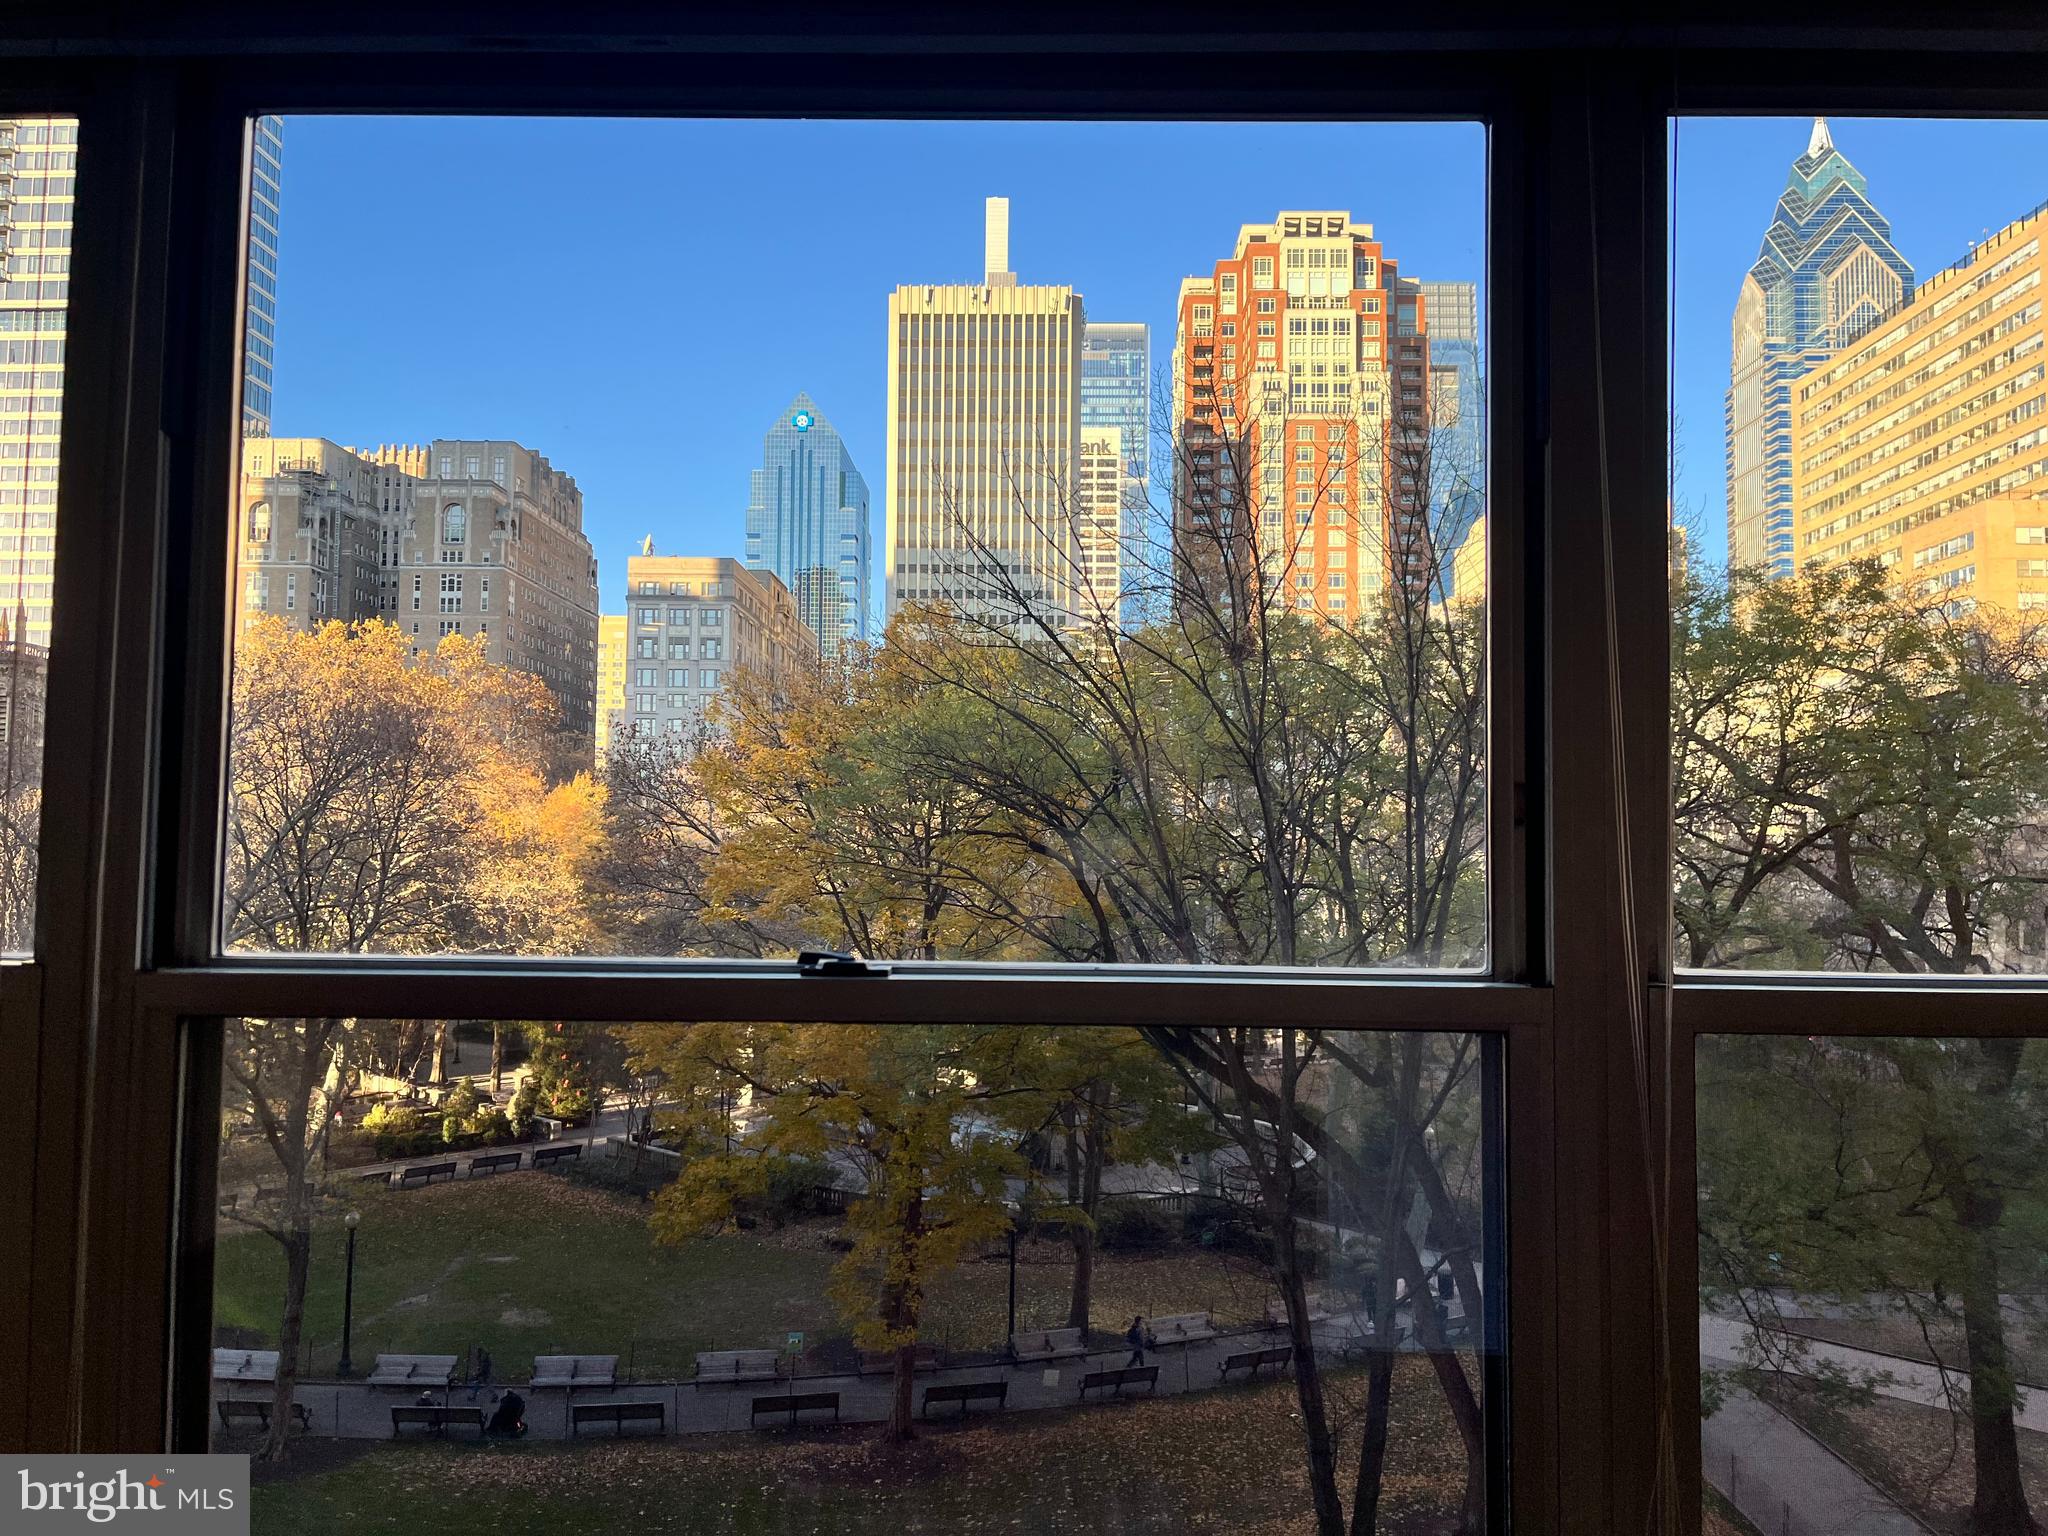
{"x":620,"y":385}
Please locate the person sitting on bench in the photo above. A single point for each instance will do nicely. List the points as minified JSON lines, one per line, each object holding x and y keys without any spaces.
{"x":508,"y":1419}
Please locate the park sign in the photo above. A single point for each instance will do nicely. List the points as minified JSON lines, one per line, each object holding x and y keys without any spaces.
{"x":796,"y":1343}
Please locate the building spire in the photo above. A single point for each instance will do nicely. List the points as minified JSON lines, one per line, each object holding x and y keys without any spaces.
{"x":1821,"y":142}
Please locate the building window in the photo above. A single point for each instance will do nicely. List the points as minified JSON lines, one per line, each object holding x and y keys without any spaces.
{"x":259,"y":522}
{"x":454,"y":525}
{"x":708,"y":678}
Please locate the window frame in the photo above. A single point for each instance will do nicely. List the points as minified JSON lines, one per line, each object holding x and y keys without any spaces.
{"x":106,"y":1020}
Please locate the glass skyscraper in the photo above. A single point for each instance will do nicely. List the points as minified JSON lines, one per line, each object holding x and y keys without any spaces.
{"x":259,"y":356}
{"x":1827,"y":272}
{"x":1116,"y":392}
{"x":808,"y":523}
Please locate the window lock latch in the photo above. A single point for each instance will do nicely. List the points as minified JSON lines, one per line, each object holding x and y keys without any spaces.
{"x":829,"y":962}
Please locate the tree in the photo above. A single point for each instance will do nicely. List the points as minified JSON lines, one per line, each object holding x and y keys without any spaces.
{"x":1862,"y":779}
{"x":369,"y":790}
{"x":1901,"y":1179}
{"x":896,"y":1108}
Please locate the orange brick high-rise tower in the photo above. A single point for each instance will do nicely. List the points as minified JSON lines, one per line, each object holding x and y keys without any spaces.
{"x":1301,"y":463}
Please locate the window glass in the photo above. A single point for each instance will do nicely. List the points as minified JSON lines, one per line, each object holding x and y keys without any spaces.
{"x":38,"y":184}
{"x":1860,"y":457}
{"x":1075,"y":1279}
{"x":1034,"y":654}
{"x":1871,"y":1263}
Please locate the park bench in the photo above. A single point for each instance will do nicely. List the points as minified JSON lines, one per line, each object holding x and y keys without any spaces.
{"x":1321,"y":1305}
{"x":1048,"y":1344}
{"x":882,"y":1362}
{"x":493,"y":1162}
{"x":425,"y":1173}
{"x":543,"y":1156}
{"x":435,"y":1420}
{"x":257,"y":1408}
{"x":1181,"y":1328}
{"x":794,"y":1403}
{"x":1116,"y":1381}
{"x":245,"y":1365}
{"x":965,"y":1392}
{"x":573,"y":1371}
{"x":412,"y":1371}
{"x":1251,"y":1361}
{"x":736,"y":1365}
{"x":618,"y":1415}
{"x":378,"y":1176}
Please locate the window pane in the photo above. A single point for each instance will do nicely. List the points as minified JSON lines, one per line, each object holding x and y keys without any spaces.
{"x":1871,"y":1268}
{"x":1121,"y":600}
{"x":877,"y":1232}
{"x":1860,"y":552}
{"x":38,"y":176}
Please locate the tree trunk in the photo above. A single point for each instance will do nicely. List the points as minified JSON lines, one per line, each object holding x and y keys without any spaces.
{"x":497,"y":1057}
{"x":1084,"y":1190}
{"x":1308,"y":1385}
{"x":298,"y":1254}
{"x":1372,"y":1453}
{"x":439,"y":1076}
{"x":900,"y":1309}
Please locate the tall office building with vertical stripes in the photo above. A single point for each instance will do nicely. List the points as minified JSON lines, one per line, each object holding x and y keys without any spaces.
{"x":1827,"y":271}
{"x":984,"y":436}
{"x":38,"y":175}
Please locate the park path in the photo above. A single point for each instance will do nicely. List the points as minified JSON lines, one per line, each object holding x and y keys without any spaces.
{"x":1785,"y":1482}
{"x":353,"y":1410}
{"x":1912,"y":1381}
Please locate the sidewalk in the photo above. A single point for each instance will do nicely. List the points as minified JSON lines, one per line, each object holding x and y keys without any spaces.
{"x":353,"y":1411}
{"x":1786,"y":1482}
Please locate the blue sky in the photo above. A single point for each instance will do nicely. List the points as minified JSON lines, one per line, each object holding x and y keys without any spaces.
{"x":1943,"y":185}
{"x":640,"y":300}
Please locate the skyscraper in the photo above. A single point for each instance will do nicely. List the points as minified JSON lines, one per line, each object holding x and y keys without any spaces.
{"x":1300,"y":377}
{"x":1919,"y":446}
{"x":1103,"y":489}
{"x":613,"y":641}
{"x":38,"y":172}
{"x":984,"y":443}
{"x":1826,"y":272}
{"x":1457,"y":425}
{"x":807,"y":521}
{"x":38,"y":166}
{"x":259,"y":341}
{"x":1116,"y":395}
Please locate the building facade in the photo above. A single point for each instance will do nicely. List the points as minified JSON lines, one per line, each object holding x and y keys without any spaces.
{"x":38,"y":174}
{"x":1827,"y":271}
{"x":259,"y":339}
{"x":1301,"y":389}
{"x":482,"y":538}
{"x":1923,"y":445}
{"x":1104,"y":480}
{"x":612,"y":646}
{"x":314,"y":527}
{"x":807,"y":521}
{"x":1116,"y":395}
{"x":692,"y":620}
{"x":984,"y":430}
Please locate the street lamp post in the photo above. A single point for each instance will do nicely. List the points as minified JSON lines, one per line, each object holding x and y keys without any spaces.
{"x":1013,"y":1280}
{"x":345,"y":1366}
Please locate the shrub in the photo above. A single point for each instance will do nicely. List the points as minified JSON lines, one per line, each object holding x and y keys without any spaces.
{"x":525,"y":1104}
{"x":1135,"y":1224}
{"x":491,"y":1125}
{"x":792,"y":1189}
{"x":462,"y":1101}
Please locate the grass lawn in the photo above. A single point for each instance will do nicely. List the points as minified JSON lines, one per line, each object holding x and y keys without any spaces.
{"x":535,"y":1263}
{"x":1720,"y":1518}
{"x":1219,"y":1461}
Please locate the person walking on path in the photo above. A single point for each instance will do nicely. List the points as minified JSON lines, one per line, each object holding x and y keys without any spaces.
{"x":1136,"y":1337}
